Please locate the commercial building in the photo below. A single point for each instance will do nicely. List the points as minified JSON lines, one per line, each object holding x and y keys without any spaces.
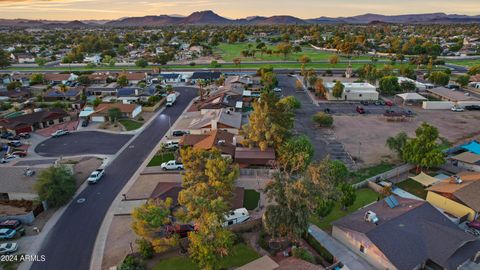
{"x":353,"y":92}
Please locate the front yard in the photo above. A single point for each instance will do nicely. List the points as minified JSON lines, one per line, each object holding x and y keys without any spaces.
{"x":413,"y":187}
{"x":241,"y":254}
{"x":364,"y":196}
{"x":158,"y":159}
{"x":130,"y":124}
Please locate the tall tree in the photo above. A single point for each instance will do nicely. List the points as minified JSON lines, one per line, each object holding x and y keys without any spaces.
{"x":114,"y":114}
{"x":4,"y":59}
{"x":439,"y":77}
{"x":320,"y":89}
{"x":269,"y":124}
{"x":397,"y":143}
{"x":284,"y":48}
{"x":348,"y":195}
{"x":122,"y":80}
{"x":423,"y":150}
{"x":337,"y":90}
{"x":56,"y":185}
{"x":295,"y":154}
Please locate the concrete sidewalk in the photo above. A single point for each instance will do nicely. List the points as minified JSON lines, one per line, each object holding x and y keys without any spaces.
{"x":338,"y":250}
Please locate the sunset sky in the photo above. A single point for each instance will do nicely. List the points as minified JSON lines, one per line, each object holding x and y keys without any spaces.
{"x":113,"y":9}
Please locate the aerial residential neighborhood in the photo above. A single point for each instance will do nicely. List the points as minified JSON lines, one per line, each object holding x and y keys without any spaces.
{"x":251,"y":140}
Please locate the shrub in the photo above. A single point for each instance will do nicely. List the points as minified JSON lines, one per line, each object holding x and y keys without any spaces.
{"x":319,"y":248}
{"x":132,"y":263}
{"x":303,"y":254}
{"x":145,"y":248}
{"x":323,"y":119}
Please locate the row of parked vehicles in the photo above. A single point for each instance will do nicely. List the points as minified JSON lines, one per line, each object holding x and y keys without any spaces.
{"x":13,"y":143}
{"x":10,"y":229}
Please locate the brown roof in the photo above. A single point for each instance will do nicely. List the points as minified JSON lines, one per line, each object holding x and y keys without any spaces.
{"x":475,"y":78}
{"x":449,"y":186}
{"x":134,"y":76}
{"x":32,"y":118}
{"x":56,"y":77}
{"x":165,"y":190}
{"x":467,"y":157}
{"x":245,"y":152}
{"x":124,"y":108}
{"x":98,"y":76}
{"x":293,"y":263}
{"x":210,"y":140}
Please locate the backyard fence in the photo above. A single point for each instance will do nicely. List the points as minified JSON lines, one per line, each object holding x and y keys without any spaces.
{"x":257,"y":172}
{"x":393,"y":175}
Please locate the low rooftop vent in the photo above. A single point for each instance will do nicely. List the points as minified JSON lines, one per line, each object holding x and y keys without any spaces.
{"x":371,"y":217}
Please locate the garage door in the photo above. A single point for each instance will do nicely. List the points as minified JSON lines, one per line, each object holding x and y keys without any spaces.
{"x":98,"y":119}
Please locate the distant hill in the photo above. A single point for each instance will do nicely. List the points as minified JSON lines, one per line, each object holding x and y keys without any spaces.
{"x":209,"y":17}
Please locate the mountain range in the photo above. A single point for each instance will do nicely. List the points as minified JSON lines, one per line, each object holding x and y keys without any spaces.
{"x":209,"y":17}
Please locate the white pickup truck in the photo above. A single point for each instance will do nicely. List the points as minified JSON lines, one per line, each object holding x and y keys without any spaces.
{"x":95,"y":176}
{"x":172,"y":165}
{"x":171,"y":99}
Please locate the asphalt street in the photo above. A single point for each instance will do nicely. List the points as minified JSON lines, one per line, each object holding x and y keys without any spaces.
{"x":83,"y":143}
{"x":70,"y":243}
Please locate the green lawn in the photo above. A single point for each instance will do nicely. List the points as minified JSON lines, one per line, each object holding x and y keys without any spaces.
{"x":250,"y":199}
{"x":466,"y":63}
{"x":228,"y":52}
{"x":366,"y":173}
{"x":413,"y":187}
{"x":240,"y":255}
{"x":364,"y":197}
{"x":130,"y":124}
{"x":159,"y":159}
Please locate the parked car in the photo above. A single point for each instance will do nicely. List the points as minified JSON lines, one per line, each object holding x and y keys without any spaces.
{"x":14,"y":138}
{"x":457,"y":109}
{"x":172,"y":165}
{"x":7,"y":233}
{"x":364,"y":102}
{"x":5,"y":135}
{"x":19,"y":154}
{"x":85,"y":123}
{"x":327,"y":110}
{"x":473,"y":107}
{"x":409,"y":113}
{"x":379,"y":102}
{"x":389,"y":103}
{"x":95,"y":176}
{"x":13,"y":224}
{"x":15,"y":143}
{"x":7,"y":159}
{"x":179,"y":133}
{"x":453,"y":86}
{"x":171,"y":144}
{"x":8,"y":248}
{"x":60,"y":132}
{"x":360,"y":110}
{"x":24,"y":135}
{"x":474,"y":224}
{"x":277,"y":90}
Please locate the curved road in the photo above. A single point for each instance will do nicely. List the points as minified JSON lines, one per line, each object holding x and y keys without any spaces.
{"x":69,"y":245}
{"x":82,"y":143}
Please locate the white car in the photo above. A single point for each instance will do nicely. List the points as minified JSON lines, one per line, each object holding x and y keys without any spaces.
{"x":457,"y":109}
{"x":8,"y":158}
{"x":172,"y":165}
{"x":60,"y":132}
{"x":171,"y":144}
{"x":95,"y":176}
{"x":7,"y":233}
{"x":8,"y":248}
{"x":276,"y":89}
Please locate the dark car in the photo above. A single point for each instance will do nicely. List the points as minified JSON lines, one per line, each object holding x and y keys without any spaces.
{"x":15,"y":143}
{"x":179,"y":133}
{"x":13,"y":224}
{"x":364,"y":102}
{"x":85,"y":123}
{"x":24,"y":135}
{"x":6,"y":135}
{"x":14,"y":138}
{"x":360,"y":110}
{"x":453,"y":86}
{"x":19,"y":153}
{"x":473,"y":107}
{"x":327,"y":110}
{"x":474,"y":224}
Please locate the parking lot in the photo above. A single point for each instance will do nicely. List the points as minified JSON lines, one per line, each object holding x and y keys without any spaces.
{"x":338,"y":108}
{"x":82,"y":143}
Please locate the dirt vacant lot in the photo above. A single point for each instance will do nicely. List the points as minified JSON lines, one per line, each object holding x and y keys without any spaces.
{"x":372,"y":131}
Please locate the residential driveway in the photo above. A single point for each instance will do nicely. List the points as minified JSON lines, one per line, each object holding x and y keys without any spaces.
{"x":338,"y":250}
{"x":323,"y":140}
{"x":83,"y":143}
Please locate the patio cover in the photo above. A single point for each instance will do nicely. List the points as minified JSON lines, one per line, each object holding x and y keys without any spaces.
{"x":425,"y":179}
{"x":411,"y":96}
{"x":473,"y":147}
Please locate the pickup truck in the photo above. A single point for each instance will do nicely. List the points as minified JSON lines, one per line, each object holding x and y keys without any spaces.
{"x":95,"y":176}
{"x":172,"y":165}
{"x":60,"y":132}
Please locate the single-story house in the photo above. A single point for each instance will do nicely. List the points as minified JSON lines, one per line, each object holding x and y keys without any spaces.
{"x":23,"y":78}
{"x":170,"y":78}
{"x":406,"y":234}
{"x":102,"y":89}
{"x":218,"y":101}
{"x":420,"y":86}
{"x":18,"y":94}
{"x":23,"y":58}
{"x":127,"y":110}
{"x":205,"y":76}
{"x":33,"y":121}
{"x":16,"y":186}
{"x":353,"y":91}
{"x":449,"y":94}
{"x":53,"y":78}
{"x":201,"y":122}
{"x":72,"y":94}
{"x":134,"y":77}
{"x":99,"y":77}
{"x":222,"y":140}
{"x":457,"y":195}
{"x":466,"y":161}
{"x":246,"y":157}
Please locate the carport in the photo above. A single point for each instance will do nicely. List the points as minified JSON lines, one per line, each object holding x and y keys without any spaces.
{"x":411,"y":97}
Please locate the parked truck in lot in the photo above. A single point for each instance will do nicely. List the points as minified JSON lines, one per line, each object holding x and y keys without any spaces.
{"x":172,"y":165}
{"x":171,"y":99}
